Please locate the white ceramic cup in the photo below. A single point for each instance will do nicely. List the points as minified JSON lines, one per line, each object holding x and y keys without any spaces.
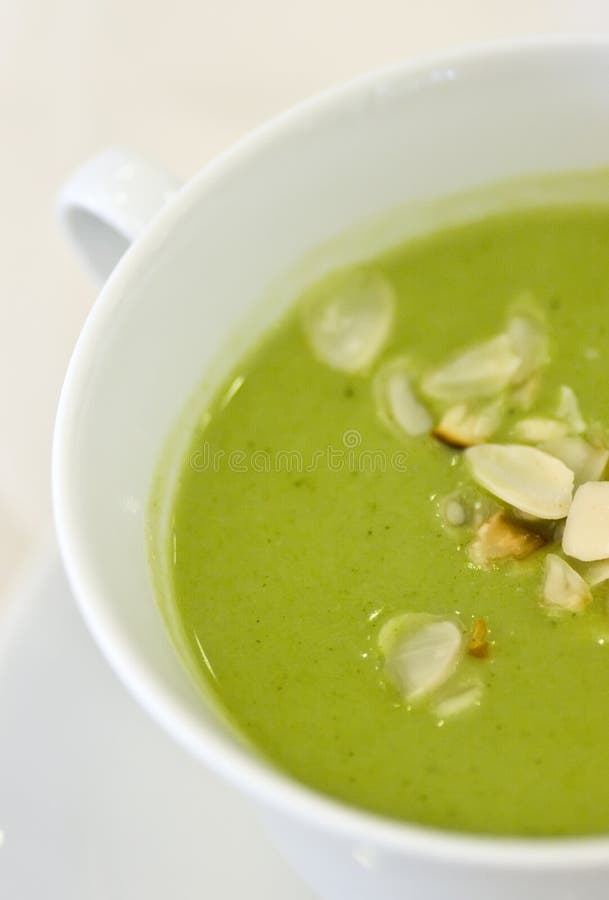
{"x":199,"y":265}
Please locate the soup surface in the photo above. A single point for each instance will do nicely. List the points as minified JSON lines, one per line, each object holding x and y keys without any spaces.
{"x":316,"y":512}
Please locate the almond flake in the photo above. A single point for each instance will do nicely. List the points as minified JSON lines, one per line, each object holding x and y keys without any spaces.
{"x":421,"y":652}
{"x":500,"y":538}
{"x":587,"y":463}
{"x":397,"y":404}
{"x":525,"y":477}
{"x":597,"y":435}
{"x":349,"y":319}
{"x":482,"y":371}
{"x":530,"y":343}
{"x":524,"y":396}
{"x":536,"y":429}
{"x":563,"y":587}
{"x":586,"y":534}
{"x":568,"y":410}
{"x":463,"y":698}
{"x":462,"y":427}
{"x":596,"y":572}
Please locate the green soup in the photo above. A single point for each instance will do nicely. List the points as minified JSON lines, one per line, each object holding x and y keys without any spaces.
{"x":303,"y":525}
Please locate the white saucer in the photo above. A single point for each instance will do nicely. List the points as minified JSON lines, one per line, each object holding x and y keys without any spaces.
{"x":96,"y":803}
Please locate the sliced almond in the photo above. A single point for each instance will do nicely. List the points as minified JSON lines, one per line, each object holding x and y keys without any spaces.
{"x":466,"y":696}
{"x":587,"y":463}
{"x":461,"y":426}
{"x":586,"y":534}
{"x":500,"y":538}
{"x":563,"y":587}
{"x":568,"y":410}
{"x":537,"y":429}
{"x":596,"y":573}
{"x":597,"y":434}
{"x":478,"y":643}
{"x":530,"y":343}
{"x":482,"y":371}
{"x":525,"y":477}
{"x":396,"y":401}
{"x":524,"y":395}
{"x":421,"y":652}
{"x":349,"y":319}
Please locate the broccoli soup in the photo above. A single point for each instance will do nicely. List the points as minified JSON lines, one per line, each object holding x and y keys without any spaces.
{"x":390,"y":537}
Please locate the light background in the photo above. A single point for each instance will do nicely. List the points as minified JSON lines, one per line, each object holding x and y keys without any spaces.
{"x":178,"y":81}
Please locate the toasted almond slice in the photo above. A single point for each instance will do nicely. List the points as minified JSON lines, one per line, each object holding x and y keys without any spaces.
{"x":587,"y":463}
{"x":596,"y":572}
{"x":586,"y":534}
{"x":530,"y":343}
{"x":568,"y":410}
{"x":500,"y":537}
{"x":482,"y":371}
{"x":421,"y":652}
{"x":536,"y":429}
{"x":563,"y":587}
{"x":525,"y":477}
{"x":466,"y":696}
{"x":348,"y":320}
{"x":463,"y":427}
{"x":478,"y":643}
{"x":396,"y":402}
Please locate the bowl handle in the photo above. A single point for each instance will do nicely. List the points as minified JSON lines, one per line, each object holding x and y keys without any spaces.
{"x":108,"y":202}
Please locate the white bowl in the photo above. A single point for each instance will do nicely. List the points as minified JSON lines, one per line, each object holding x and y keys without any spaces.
{"x":185,"y":290}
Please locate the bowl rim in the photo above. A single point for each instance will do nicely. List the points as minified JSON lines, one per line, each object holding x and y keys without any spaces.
{"x":224,"y":755}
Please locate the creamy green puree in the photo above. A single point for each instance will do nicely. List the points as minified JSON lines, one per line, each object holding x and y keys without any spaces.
{"x":329,"y":521}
